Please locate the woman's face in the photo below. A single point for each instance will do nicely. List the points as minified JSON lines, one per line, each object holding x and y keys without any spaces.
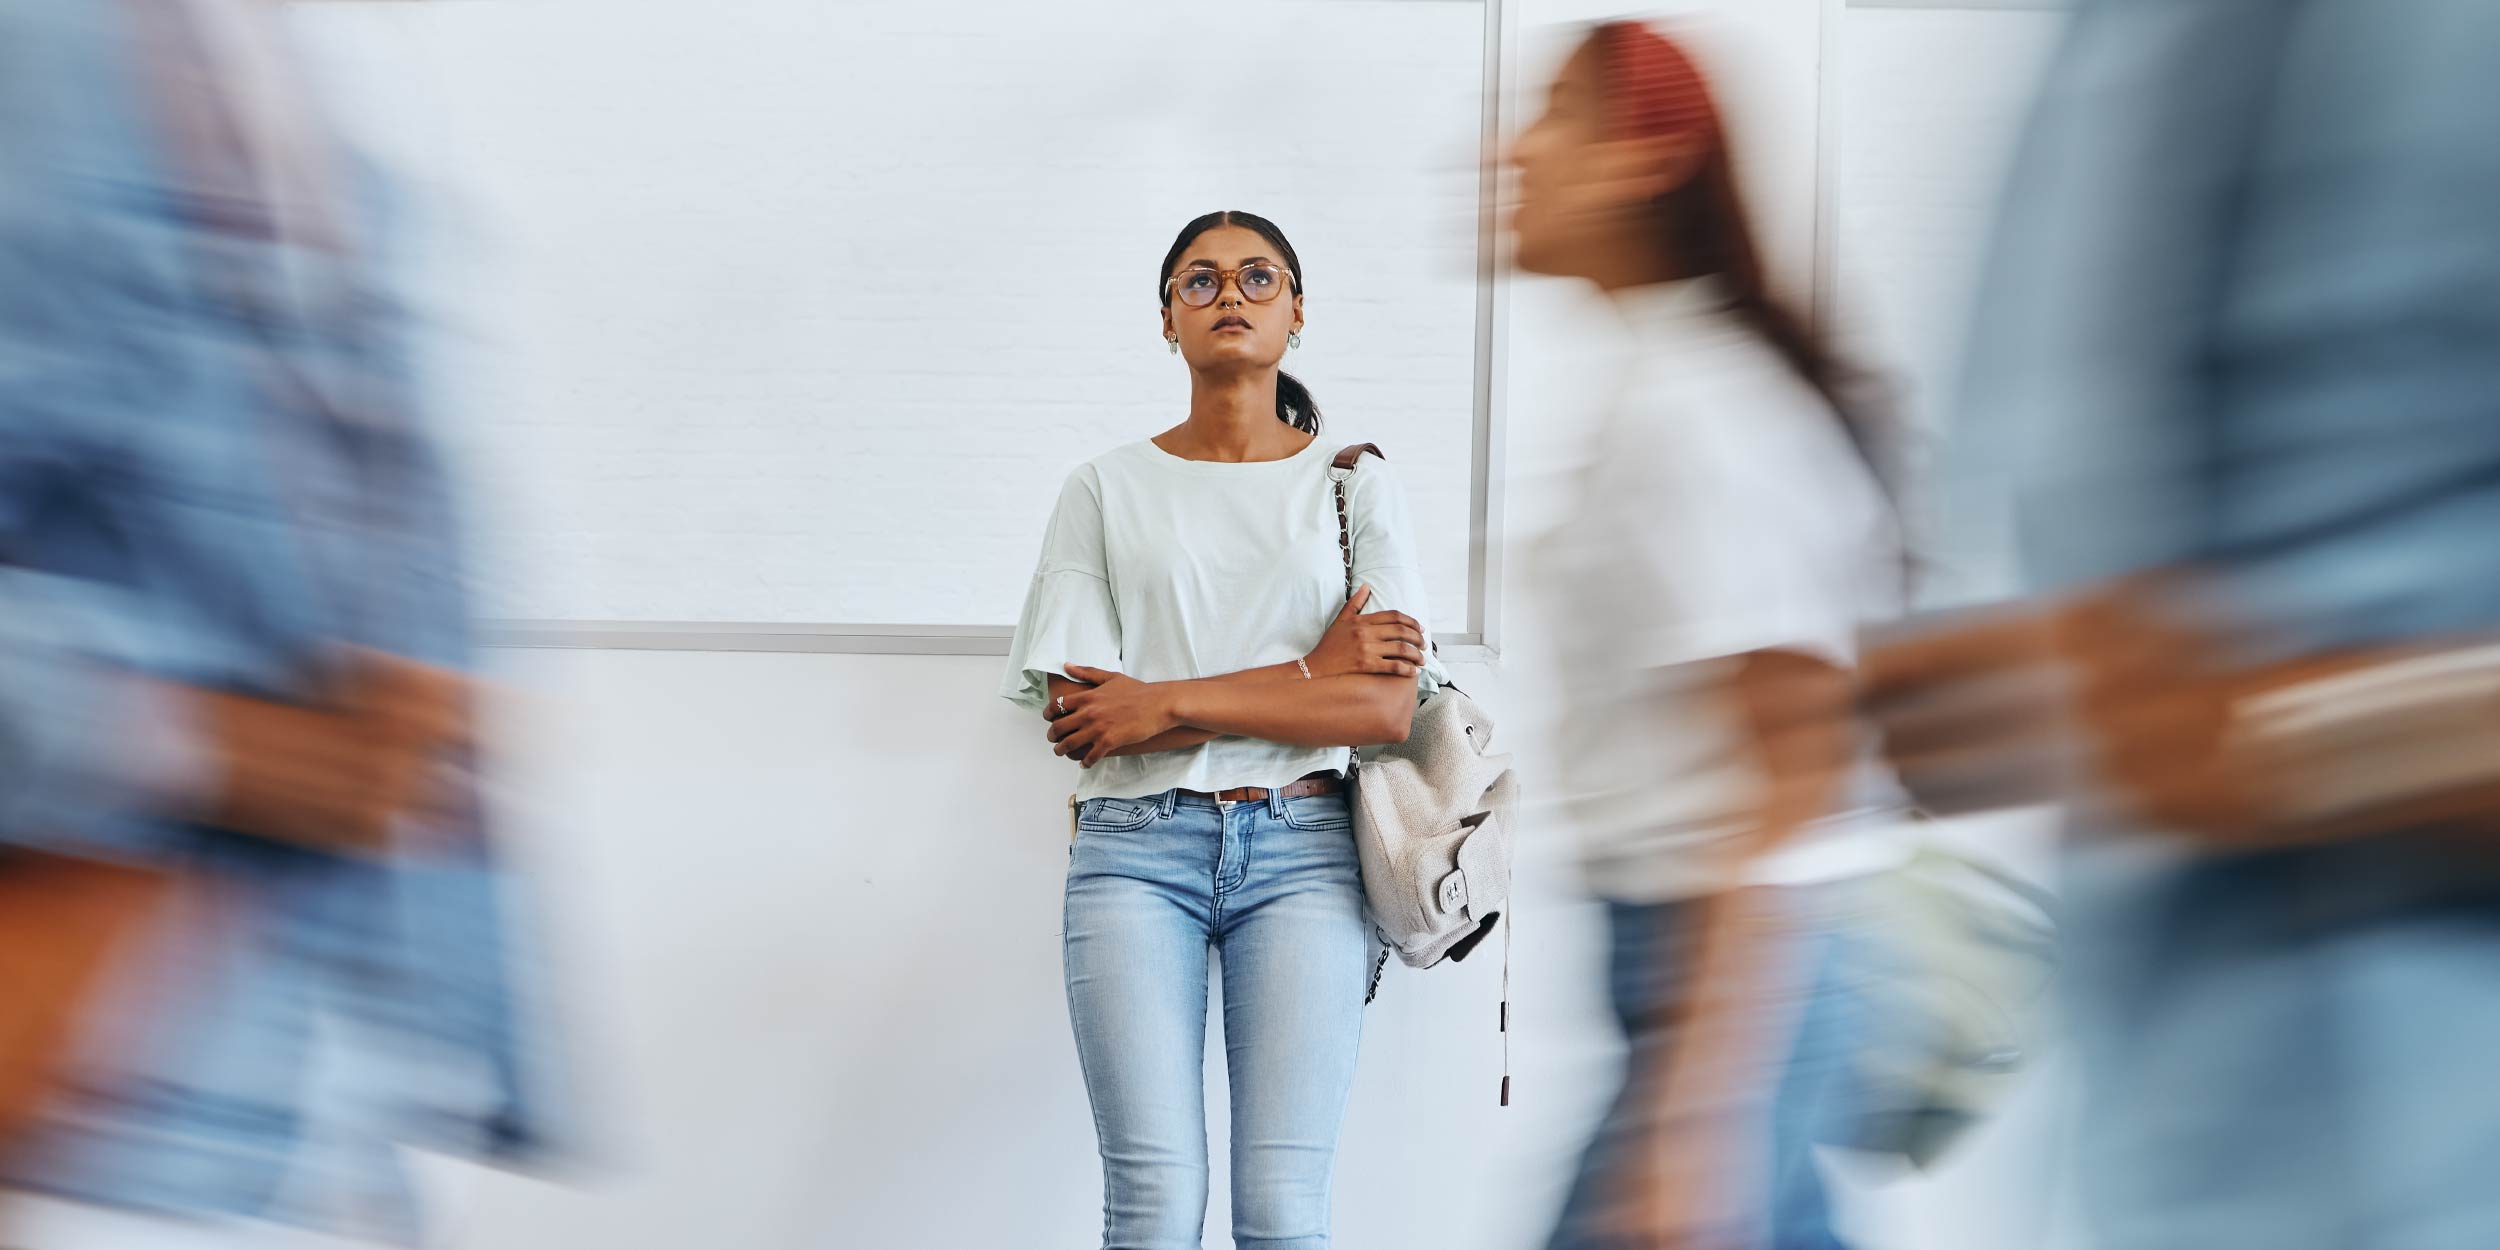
{"x":1233,"y":331}
{"x":1583,"y":196}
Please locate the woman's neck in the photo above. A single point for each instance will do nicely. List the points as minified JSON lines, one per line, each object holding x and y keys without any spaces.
{"x":1631,"y":264}
{"x":1232,"y":419}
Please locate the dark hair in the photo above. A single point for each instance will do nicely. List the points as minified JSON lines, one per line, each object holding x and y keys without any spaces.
{"x":1294,"y":405}
{"x":1709,"y":232}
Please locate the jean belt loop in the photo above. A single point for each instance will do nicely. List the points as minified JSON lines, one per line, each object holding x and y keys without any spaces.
{"x":1171,"y":801}
{"x":1276,"y":802}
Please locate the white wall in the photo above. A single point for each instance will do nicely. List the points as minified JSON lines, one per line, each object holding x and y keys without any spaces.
{"x":796,"y":301}
{"x":1931,"y":102}
{"x":809,"y":904}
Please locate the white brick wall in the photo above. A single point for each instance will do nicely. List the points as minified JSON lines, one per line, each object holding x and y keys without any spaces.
{"x":803,"y":310}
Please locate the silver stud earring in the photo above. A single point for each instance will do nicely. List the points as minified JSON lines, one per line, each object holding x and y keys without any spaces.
{"x":1293,"y":339}
{"x":1173,"y":342}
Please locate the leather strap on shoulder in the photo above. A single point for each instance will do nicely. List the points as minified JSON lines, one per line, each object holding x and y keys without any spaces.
{"x":1345,"y":459}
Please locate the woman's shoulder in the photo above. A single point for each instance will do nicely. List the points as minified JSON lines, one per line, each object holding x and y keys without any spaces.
{"x":1090,"y":474}
{"x":1139,"y":455}
{"x":1110,"y":455}
{"x":1375,"y":484}
{"x":1368,"y":460}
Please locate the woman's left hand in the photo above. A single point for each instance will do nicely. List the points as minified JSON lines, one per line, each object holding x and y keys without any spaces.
{"x":1114,"y":712}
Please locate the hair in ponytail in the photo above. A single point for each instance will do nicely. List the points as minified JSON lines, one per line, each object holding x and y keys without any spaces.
{"x":1294,"y":405}
{"x":1655,"y":88}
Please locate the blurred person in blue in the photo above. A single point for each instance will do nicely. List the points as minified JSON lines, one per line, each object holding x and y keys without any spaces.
{"x":2238,"y":362}
{"x":233,"y":655}
{"x":1727,"y":540}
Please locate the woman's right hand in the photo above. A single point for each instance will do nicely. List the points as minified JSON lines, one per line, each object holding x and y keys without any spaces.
{"x":1379,"y":642}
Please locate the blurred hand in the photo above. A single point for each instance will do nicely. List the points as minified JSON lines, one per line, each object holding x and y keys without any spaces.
{"x":1378,"y":642}
{"x":2153,"y":702}
{"x":1800,"y":714}
{"x":1972,"y":711}
{"x":1114,"y":711}
{"x":419,"y":715}
{"x":335,"y":777}
{"x":1985,"y":713}
{"x":2161,"y":710}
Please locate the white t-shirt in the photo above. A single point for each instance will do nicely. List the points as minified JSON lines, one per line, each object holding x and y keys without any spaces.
{"x":1167,"y":569}
{"x":1722,"y":510}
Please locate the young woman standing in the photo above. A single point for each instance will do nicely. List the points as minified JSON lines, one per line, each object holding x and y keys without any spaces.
{"x":1189,"y":637}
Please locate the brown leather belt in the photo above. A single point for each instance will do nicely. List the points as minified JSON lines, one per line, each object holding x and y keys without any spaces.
{"x":1317,"y":783}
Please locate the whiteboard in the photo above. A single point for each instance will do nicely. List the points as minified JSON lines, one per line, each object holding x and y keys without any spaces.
{"x":788,"y":311}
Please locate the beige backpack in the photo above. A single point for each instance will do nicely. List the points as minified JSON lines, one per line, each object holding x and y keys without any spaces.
{"x":1432,"y":821}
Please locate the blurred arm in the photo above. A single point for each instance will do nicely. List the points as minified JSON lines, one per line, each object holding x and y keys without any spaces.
{"x":1798,"y":716}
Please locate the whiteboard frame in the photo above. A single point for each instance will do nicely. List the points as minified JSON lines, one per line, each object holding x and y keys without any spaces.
{"x":1478,"y":642}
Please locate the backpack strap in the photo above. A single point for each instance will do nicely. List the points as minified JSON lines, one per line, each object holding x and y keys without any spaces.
{"x":1344,"y":462}
{"x":1505,"y":921}
{"x":1339,"y":470}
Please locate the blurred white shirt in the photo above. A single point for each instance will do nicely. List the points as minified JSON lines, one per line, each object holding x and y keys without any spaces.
{"x":1722,"y":510}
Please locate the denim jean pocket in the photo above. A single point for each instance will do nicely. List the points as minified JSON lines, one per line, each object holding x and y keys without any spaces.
{"x":1116,"y":815}
{"x":1320,"y":813}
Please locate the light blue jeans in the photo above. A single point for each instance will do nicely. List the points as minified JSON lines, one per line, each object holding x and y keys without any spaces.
{"x":1819,"y":1094}
{"x":1274,"y":887}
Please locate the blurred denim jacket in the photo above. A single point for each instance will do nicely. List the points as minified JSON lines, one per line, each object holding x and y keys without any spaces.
{"x":212,"y":477}
{"x":2243,"y":313}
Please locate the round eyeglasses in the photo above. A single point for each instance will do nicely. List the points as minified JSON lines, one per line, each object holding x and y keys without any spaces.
{"x":1260,"y":281}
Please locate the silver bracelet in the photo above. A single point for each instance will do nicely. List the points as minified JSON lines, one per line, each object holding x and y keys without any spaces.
{"x":1306,"y":669}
